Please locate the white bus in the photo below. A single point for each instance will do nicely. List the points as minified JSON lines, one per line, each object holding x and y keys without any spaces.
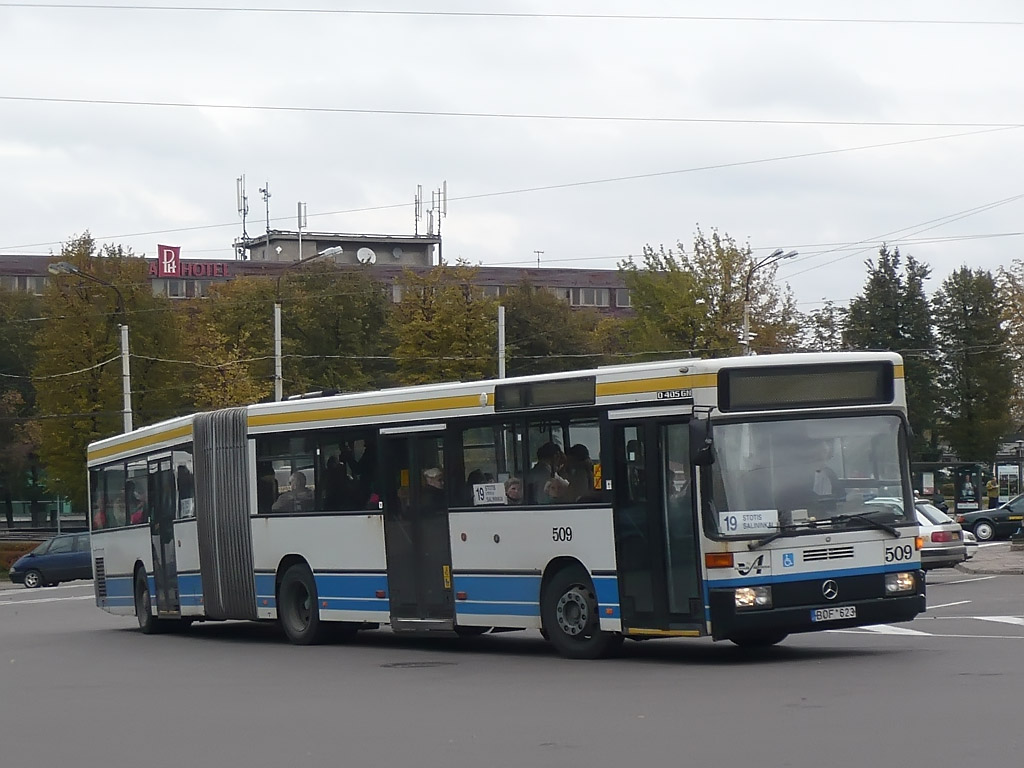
{"x":742,"y":498}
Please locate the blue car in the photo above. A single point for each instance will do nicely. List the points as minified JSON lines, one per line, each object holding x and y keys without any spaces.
{"x":62,"y":558}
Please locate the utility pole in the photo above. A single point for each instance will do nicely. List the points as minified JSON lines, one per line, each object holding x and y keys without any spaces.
{"x":265,"y":191}
{"x":539,"y":253}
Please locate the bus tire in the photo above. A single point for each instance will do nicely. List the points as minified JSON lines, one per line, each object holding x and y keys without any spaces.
{"x":148,"y":623}
{"x":298,"y":607}
{"x":568,"y":611}
{"x":759,"y":640}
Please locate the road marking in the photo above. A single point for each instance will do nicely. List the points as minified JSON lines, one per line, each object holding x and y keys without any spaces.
{"x":889,"y":629}
{"x":46,"y":600}
{"x":963,"y":581}
{"x":946,"y":605}
{"x":1017,"y":620}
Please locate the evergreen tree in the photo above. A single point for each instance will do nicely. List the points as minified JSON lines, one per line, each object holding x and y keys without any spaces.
{"x":975,"y":369}
{"x":892,"y":313}
{"x":823,"y":328}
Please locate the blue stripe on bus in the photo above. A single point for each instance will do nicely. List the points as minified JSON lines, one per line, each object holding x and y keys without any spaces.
{"x":119,"y":587}
{"x":519,"y":595}
{"x":342,"y":591}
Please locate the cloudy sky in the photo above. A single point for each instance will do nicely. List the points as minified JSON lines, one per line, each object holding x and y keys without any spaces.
{"x":824,"y":128}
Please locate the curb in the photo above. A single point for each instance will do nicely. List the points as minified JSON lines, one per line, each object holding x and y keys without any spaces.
{"x":988,"y":571}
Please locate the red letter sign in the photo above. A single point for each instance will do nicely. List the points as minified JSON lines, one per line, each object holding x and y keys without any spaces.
{"x":168,"y":260}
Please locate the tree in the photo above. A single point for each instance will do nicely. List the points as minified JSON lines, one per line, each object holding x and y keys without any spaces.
{"x":1010,"y":297}
{"x":445,"y":329}
{"x":19,"y":435}
{"x":78,"y":365}
{"x":693,"y":303}
{"x":975,"y":368}
{"x":335,"y":328}
{"x":823,"y":328}
{"x":892,"y":313}
{"x":544,"y":334}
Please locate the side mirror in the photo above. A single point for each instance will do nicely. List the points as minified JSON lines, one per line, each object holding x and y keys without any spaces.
{"x":701,"y":442}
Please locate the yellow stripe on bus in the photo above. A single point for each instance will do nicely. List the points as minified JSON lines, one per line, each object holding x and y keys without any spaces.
{"x":141,"y":442}
{"x":638,"y":386}
{"x":371,"y":409}
{"x":664,"y":632}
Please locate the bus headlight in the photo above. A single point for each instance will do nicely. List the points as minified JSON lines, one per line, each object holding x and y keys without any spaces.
{"x":898,"y":583}
{"x":752,"y":598}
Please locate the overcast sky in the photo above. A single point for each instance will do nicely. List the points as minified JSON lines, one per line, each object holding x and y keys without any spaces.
{"x":725,"y":123}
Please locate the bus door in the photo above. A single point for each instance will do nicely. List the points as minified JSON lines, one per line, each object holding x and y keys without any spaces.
{"x":655,"y":527}
{"x":416,"y":529}
{"x":162,"y":503}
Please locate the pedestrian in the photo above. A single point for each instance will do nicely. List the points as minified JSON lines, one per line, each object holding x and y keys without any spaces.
{"x":992,"y":491}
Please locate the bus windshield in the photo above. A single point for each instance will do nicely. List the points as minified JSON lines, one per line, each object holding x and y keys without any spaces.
{"x":803,"y":474}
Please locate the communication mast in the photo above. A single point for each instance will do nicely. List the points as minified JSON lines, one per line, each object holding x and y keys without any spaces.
{"x":243,"y":211}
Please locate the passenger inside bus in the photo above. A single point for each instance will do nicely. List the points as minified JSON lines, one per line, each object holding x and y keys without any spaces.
{"x":513,"y":491}
{"x":298,"y":498}
{"x":266,"y":487}
{"x":432,"y":496}
{"x":579,"y":472}
{"x":544,"y":483}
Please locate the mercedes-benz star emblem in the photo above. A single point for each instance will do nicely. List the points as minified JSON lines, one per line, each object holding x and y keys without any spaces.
{"x":830,"y":589}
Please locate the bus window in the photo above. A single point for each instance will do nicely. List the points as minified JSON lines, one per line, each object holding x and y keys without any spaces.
{"x":566,"y":457}
{"x":284,"y":457}
{"x":492,"y":462}
{"x":113,"y":496}
{"x":185,"y":483}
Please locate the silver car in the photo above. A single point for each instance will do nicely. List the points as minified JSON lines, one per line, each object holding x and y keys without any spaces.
{"x":943,"y":538}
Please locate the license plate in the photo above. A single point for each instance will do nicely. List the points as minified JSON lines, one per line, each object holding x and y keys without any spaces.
{"x":834,"y":614}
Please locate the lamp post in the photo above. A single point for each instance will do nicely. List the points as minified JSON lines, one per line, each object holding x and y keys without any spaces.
{"x":778,"y":255}
{"x":278,"y":378}
{"x":1017,"y":538}
{"x":66,"y":268}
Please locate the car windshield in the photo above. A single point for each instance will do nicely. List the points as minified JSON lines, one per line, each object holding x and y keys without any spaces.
{"x":41,"y":548}
{"x":803,"y":474}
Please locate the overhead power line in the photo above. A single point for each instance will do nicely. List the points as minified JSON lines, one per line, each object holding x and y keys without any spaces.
{"x":517,"y":15}
{"x":564,"y":185}
{"x":510,"y":115}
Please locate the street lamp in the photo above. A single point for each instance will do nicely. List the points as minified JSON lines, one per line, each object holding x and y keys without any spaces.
{"x":334,"y":250}
{"x":1018,"y":536}
{"x":778,"y":255}
{"x":66,"y":268}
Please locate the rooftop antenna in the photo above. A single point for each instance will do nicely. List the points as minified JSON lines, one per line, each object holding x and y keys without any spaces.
{"x":243,"y":203}
{"x":539,"y":254}
{"x":438,"y":210}
{"x":418,"y":209}
{"x":265,"y":191}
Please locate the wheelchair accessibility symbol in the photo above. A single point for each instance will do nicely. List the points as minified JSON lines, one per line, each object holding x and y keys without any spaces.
{"x":788,"y":560}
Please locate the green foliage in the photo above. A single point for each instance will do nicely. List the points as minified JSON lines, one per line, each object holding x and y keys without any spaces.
{"x":19,"y":436}
{"x":445,"y":329}
{"x":892,"y":313}
{"x":693,"y":303}
{"x":335,"y":329}
{"x":1010,"y":295}
{"x":544,"y":334}
{"x":823,"y":328}
{"x":78,"y":365}
{"x":975,"y":369}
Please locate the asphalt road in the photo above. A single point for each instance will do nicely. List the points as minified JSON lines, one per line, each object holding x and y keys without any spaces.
{"x":81,"y":688}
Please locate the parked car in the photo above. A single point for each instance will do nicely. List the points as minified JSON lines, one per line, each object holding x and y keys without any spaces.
{"x":943,"y":538}
{"x":998,"y":523}
{"x":62,"y":558}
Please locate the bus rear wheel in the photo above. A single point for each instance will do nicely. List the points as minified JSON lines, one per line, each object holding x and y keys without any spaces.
{"x":568,"y":610}
{"x":297,"y":606}
{"x":148,"y":623}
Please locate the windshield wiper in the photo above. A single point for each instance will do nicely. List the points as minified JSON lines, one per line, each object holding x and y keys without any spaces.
{"x":782,"y":531}
{"x":865,"y":517}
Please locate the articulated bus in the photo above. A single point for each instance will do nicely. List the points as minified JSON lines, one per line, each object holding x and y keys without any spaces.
{"x":743,"y":499}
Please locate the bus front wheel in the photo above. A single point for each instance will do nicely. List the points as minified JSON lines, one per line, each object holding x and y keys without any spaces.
{"x":297,"y":606}
{"x":568,"y":609}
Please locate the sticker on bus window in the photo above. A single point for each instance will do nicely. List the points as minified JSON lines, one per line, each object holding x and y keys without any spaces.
{"x":748,"y":521}
{"x":489,"y":493}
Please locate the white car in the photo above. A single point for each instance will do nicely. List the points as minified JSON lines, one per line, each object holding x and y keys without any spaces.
{"x":944,"y":544}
